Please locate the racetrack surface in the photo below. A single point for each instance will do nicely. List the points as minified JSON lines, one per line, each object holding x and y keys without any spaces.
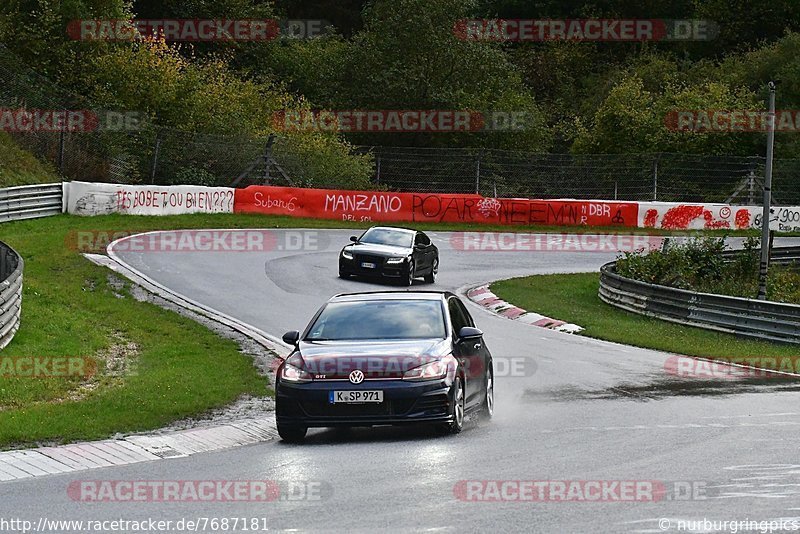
{"x":585,"y":410}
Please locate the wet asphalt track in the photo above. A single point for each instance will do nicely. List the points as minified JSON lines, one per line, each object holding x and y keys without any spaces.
{"x":590,"y":411}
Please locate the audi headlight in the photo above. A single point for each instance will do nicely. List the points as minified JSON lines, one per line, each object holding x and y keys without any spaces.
{"x":347,"y":255}
{"x":395,"y":261}
{"x":431,"y":371}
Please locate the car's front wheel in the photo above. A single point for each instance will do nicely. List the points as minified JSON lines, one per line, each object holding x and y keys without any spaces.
{"x":431,"y":277}
{"x":487,"y":409}
{"x":409,"y":280}
{"x":459,"y":406}
{"x":292,"y":433}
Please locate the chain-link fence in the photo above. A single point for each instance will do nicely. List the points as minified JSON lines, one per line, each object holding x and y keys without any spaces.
{"x":661,"y":176}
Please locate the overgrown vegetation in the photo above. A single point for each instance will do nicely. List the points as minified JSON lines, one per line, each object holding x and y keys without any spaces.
{"x":19,"y":167}
{"x":699,"y":265}
{"x":607,"y":97}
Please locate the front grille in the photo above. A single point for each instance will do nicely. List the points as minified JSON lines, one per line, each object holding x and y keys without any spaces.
{"x":326,"y":409}
{"x":369,"y":258}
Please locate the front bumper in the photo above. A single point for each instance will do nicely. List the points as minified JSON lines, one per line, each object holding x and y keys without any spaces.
{"x":381,"y":269}
{"x":404,"y":402}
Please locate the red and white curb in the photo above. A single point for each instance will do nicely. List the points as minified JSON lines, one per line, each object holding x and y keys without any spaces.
{"x":483,"y":297}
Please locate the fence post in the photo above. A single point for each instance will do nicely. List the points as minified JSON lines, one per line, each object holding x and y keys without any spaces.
{"x":268,"y":158}
{"x":154,"y":164}
{"x":655,"y":178}
{"x":751,"y":187}
{"x":378,"y":169}
{"x":61,"y":142}
{"x":478,"y":173}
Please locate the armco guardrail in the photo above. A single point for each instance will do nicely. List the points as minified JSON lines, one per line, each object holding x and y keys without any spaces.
{"x":785,"y":255}
{"x":30,"y":201}
{"x":10,"y":293}
{"x":778,"y":256}
{"x":772,"y":321}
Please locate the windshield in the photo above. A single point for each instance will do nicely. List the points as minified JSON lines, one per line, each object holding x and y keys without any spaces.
{"x":387,"y":236}
{"x":381,"y":319}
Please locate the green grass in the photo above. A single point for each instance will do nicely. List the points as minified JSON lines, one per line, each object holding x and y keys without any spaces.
{"x":573,"y":298}
{"x":182,"y":368}
{"x":19,"y":167}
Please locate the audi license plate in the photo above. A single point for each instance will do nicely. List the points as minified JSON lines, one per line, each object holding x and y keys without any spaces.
{"x":368,"y":265}
{"x":355,"y":397}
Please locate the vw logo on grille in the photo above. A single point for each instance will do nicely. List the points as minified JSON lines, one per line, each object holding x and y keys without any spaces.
{"x":357,"y":376}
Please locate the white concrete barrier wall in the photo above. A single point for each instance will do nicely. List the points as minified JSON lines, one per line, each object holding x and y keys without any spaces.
{"x":86,"y":198}
{"x":677,"y":216}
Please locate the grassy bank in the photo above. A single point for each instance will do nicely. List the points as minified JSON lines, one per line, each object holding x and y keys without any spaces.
{"x":573,"y":298}
{"x":154,"y":366}
{"x":19,"y":167}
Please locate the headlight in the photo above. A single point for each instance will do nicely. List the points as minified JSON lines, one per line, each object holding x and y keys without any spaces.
{"x":291,"y":373}
{"x":347,"y":255}
{"x":431,"y":371}
{"x":395,"y":260}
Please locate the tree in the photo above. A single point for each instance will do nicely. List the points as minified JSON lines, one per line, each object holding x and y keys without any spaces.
{"x":36,"y":31}
{"x":409,"y":57}
{"x":633,"y":119}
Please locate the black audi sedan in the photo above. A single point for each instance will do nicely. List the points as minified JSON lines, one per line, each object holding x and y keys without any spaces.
{"x":385,"y":358}
{"x":395,"y":253}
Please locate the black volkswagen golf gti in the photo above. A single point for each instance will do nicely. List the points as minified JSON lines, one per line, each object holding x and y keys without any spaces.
{"x":395,"y":253}
{"x":385,"y":358}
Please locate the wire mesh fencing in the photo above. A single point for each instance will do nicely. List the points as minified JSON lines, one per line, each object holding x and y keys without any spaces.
{"x":635,"y":177}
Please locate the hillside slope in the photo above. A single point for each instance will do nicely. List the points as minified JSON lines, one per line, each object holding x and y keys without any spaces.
{"x":20,"y":167}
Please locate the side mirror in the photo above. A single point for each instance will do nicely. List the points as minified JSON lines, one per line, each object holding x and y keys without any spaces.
{"x":469,"y":332}
{"x":291,"y":337}
{"x":419,"y":246}
{"x":354,"y":239}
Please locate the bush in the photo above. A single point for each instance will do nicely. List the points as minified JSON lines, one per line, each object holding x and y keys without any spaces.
{"x":698,"y":265}
{"x":193,"y":176}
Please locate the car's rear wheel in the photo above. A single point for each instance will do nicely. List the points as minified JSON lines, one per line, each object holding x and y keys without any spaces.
{"x":487,"y":409}
{"x":459,"y":406}
{"x":431,"y":277}
{"x":409,"y":280}
{"x":292,"y":433}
